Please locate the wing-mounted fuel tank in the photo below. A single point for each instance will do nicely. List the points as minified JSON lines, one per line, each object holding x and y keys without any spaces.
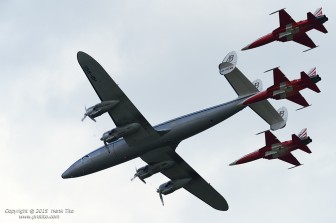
{"x":99,"y":109}
{"x":117,"y":133}
{"x":149,"y":170}
{"x":172,"y":186}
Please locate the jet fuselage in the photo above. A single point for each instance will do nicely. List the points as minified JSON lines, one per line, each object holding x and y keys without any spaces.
{"x":282,"y":90}
{"x":288,"y":32}
{"x":273,"y":151}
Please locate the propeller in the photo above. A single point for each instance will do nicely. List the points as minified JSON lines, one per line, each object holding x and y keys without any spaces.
{"x":136,"y":175}
{"x":160,"y":194}
{"x":86,"y":114}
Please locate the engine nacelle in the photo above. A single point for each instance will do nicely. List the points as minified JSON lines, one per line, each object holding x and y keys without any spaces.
{"x":149,"y":170}
{"x":99,"y":109}
{"x":117,"y":133}
{"x":172,"y":186}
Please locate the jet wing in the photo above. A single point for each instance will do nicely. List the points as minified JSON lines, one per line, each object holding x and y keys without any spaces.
{"x":285,"y":18}
{"x":290,"y":159}
{"x":278,"y":76}
{"x":197,"y":186}
{"x":304,"y":40}
{"x":125,"y":112}
{"x":270,"y":139}
{"x":298,"y":99}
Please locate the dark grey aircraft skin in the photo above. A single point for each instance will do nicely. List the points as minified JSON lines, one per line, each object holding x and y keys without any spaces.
{"x":156,"y":145}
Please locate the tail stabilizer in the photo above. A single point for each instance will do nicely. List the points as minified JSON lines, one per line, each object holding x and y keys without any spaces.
{"x":237,"y":80}
{"x":296,"y":140}
{"x":244,"y":88}
{"x":310,"y":84}
{"x":321,"y":28}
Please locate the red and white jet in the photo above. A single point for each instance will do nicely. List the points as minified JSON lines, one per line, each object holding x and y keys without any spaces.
{"x":275,"y":149}
{"x":283,"y":88}
{"x":291,"y":30}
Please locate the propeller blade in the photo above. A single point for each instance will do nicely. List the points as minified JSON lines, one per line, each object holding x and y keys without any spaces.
{"x":134,"y":177}
{"x":84,"y":117}
{"x":161,"y":198}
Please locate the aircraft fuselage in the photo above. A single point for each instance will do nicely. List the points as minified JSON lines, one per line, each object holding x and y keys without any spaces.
{"x":273,"y":151}
{"x":289,"y":32}
{"x":282,"y":90}
{"x":174,"y":131}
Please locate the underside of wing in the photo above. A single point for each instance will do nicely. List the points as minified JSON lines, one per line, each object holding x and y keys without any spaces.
{"x":304,"y":40}
{"x":290,"y":159}
{"x":197,"y":185}
{"x":278,"y":76}
{"x":270,"y":139}
{"x":124,"y":113}
{"x":298,"y":99}
{"x":285,"y":18}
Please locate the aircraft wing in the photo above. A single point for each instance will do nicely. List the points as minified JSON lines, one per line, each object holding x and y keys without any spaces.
{"x":304,"y":39}
{"x":285,"y":18}
{"x":270,"y":139}
{"x":125,"y":112}
{"x":298,"y":99}
{"x":290,"y":159}
{"x":278,"y":76}
{"x":197,"y":186}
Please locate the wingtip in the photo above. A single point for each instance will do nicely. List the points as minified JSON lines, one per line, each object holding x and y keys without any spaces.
{"x":81,"y":54}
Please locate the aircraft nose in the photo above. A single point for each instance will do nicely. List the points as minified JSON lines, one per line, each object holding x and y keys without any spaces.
{"x":246,"y":47}
{"x":66,"y":174}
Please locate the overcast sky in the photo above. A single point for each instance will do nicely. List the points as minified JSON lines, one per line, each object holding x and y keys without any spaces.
{"x":164,"y":55}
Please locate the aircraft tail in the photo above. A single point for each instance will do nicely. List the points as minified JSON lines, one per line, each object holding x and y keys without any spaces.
{"x":303,"y":134}
{"x":244,"y":88}
{"x":318,"y":14}
{"x":301,"y":142}
{"x":258,"y":84}
{"x":311,"y":78}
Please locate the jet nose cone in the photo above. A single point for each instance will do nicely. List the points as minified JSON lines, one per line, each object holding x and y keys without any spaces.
{"x":234,"y":163}
{"x":246,"y":47}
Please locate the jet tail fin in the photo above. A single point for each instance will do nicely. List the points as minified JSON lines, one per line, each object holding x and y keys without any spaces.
{"x":296,"y":140}
{"x":303,"y":134}
{"x":318,"y":12}
{"x":244,"y":88}
{"x":317,"y":26}
{"x":310,"y":84}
